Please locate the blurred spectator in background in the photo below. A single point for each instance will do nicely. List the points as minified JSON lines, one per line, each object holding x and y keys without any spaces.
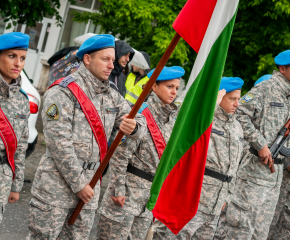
{"x":63,"y":63}
{"x":135,"y":80}
{"x":123,"y":55}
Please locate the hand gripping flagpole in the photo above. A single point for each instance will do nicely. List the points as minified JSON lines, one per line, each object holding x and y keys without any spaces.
{"x":132,"y":114}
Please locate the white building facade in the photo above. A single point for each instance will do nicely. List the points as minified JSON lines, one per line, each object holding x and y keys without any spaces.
{"x":47,"y":38}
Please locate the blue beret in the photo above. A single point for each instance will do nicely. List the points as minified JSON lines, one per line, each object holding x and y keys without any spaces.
{"x":283,"y":58}
{"x":168,"y":73}
{"x":14,"y":40}
{"x":95,"y":43}
{"x":231,"y":83}
{"x":263,"y":78}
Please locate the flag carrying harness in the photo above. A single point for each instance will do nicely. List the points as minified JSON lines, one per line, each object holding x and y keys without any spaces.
{"x":9,"y":139}
{"x":157,"y":138}
{"x":90,"y":112}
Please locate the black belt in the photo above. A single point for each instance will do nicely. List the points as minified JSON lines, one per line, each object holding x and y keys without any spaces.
{"x":217,"y":175}
{"x":3,"y":160}
{"x":276,"y":160}
{"x":140,"y":173}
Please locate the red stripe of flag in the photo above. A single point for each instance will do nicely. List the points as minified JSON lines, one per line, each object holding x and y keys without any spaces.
{"x":192,"y":22}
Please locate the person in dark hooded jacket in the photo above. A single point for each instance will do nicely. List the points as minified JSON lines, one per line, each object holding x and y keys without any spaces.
{"x":135,"y":80}
{"x":123,"y":55}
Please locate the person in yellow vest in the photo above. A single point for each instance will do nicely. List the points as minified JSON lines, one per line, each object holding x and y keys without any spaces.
{"x":135,"y":80}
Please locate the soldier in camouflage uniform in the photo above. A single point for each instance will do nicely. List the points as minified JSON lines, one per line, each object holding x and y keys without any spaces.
{"x":221,"y":230}
{"x":62,"y":176}
{"x":15,"y":106}
{"x":280,"y":226}
{"x":263,"y":112}
{"x":123,"y":212}
{"x":224,"y":153}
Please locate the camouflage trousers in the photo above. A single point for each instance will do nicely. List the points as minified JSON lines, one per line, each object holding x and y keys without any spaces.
{"x":133,"y":228}
{"x":47,"y":222}
{"x":251,"y":211}
{"x":221,"y":230}
{"x":201,"y":227}
{"x":159,"y":230}
{"x":280,"y":226}
{"x":5,"y":186}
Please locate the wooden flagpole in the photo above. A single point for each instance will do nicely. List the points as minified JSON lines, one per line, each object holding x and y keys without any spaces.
{"x":132,"y":114}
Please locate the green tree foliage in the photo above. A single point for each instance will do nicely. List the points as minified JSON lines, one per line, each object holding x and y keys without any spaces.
{"x":29,"y":12}
{"x":260,"y":33}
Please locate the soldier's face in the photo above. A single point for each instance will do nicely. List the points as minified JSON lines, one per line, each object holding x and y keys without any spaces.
{"x":100,"y":63}
{"x":230,"y":101}
{"x":166,"y":90}
{"x":285,"y":70}
{"x":11,"y":63}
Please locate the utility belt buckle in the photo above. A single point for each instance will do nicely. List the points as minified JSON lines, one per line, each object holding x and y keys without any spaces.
{"x":278,"y":160}
{"x":227,"y":178}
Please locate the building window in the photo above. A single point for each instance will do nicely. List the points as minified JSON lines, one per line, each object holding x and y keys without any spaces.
{"x":94,"y":29}
{"x":2,"y":25}
{"x":83,"y":3}
{"x":97,"y":5}
{"x":34,"y":34}
{"x":45,"y":37}
{"x":71,"y":30}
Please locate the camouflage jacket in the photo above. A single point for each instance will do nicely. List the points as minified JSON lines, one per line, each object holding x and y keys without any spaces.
{"x":69,"y":138}
{"x":141,"y":154}
{"x":225,"y":148}
{"x":262,"y":113}
{"x":15,"y":106}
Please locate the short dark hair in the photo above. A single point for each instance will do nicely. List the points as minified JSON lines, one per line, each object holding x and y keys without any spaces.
{"x":282,"y":65}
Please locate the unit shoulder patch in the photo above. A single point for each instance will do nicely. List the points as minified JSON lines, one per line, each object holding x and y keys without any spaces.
{"x":53,"y":112}
{"x":177,"y":104}
{"x":247,"y":98}
{"x":123,"y":140}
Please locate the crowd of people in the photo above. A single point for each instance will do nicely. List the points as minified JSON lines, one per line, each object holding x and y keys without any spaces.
{"x":245,"y":192}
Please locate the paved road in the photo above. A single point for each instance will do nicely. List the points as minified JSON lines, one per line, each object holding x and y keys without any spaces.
{"x":14,"y":224}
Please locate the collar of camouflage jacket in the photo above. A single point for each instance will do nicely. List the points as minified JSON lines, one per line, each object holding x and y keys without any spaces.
{"x":282,"y":82}
{"x":162,"y":111}
{"x":94,"y":84}
{"x":222,"y":115}
{"x":8,"y":90}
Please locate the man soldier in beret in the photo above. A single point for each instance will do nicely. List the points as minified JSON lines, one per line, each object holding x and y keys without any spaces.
{"x":221,"y":230}
{"x":263,"y":111}
{"x":78,"y":115}
{"x":14,"y":114}
{"x":280,"y":226}
{"x":224,"y":153}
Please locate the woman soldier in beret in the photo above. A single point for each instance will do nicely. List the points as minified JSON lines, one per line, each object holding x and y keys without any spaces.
{"x":123,"y":211}
{"x":14,"y":113}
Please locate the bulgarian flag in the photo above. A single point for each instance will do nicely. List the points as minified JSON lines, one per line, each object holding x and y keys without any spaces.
{"x":207,"y":26}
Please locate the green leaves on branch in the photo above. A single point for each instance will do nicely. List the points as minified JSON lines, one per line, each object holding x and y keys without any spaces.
{"x":145,"y":24}
{"x":262,"y":30}
{"x":30,"y":12}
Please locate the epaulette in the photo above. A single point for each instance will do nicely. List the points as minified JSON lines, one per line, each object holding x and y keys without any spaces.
{"x":22,"y":91}
{"x":142,"y":108}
